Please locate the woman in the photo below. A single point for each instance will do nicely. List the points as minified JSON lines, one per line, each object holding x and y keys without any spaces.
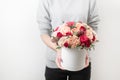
{"x":52,"y":13}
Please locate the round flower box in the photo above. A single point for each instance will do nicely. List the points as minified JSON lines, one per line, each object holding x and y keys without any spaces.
{"x":73,"y":59}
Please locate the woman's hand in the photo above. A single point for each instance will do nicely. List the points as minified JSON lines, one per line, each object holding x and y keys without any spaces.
{"x":58,"y":59}
{"x":47,"y":40}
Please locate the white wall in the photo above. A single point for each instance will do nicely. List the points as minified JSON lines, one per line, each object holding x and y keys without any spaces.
{"x":22,"y":52}
{"x":106,"y":61}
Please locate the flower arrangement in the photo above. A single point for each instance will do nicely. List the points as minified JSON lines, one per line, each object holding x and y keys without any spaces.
{"x":74,"y":34}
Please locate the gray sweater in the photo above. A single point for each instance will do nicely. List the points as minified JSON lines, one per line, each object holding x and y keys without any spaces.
{"x":52,"y":13}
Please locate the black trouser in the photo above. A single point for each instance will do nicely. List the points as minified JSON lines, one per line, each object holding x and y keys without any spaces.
{"x":58,"y":74}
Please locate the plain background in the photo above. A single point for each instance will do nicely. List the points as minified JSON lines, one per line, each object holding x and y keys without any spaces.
{"x":22,"y":52}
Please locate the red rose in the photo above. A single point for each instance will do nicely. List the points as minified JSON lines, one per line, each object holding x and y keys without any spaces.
{"x":80,"y":33}
{"x":66,"y":44}
{"x":70,"y":23}
{"x":59,"y":34}
{"x":88,"y":43}
{"x":83,"y":38}
{"x":82,"y":28}
{"x":68,"y":33}
{"x":85,"y":41}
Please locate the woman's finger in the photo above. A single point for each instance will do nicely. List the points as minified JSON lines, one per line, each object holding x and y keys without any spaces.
{"x":87,"y":61}
{"x":58,"y":62}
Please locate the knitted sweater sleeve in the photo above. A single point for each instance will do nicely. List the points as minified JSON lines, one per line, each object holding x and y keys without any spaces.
{"x":93,"y":16}
{"x":43,"y":17}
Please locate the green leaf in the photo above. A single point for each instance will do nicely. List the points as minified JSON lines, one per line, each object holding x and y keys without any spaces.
{"x":75,"y":33}
{"x":78,"y":45}
{"x":72,"y":27}
{"x":58,"y":47}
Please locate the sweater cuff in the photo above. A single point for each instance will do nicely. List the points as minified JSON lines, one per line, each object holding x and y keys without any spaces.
{"x":44,"y":29}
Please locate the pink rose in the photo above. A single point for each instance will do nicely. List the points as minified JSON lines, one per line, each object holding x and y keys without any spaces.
{"x":79,"y":29}
{"x":71,"y":23}
{"x":73,"y":41}
{"x":78,"y":25}
{"x":62,"y":40}
{"x":64,"y":29}
{"x":89,"y":34}
{"x":68,"y":34}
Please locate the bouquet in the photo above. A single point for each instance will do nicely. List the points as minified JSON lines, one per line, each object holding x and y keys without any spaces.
{"x":75,"y":38}
{"x":73,"y":35}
